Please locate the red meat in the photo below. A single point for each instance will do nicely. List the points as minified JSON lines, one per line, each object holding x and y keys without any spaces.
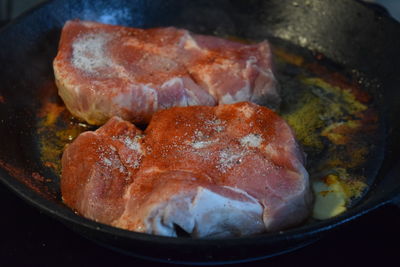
{"x":103,"y":71}
{"x":229,"y":170}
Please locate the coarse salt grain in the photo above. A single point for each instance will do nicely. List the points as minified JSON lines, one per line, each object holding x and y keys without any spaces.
{"x":228,"y":159}
{"x":198,"y":134}
{"x":136,"y":164}
{"x":107,"y":161}
{"x":216,"y":124}
{"x":133,"y":143}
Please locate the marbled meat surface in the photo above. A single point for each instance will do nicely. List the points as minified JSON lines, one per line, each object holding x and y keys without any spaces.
{"x":103,"y":71}
{"x":229,"y":170}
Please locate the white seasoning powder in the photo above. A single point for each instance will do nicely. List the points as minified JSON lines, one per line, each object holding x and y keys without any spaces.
{"x":133,"y":143}
{"x":251,"y":140}
{"x":88,"y":52}
{"x":200,"y":140}
{"x":216,"y":124}
{"x":202,"y":144}
{"x":107,"y":161}
{"x":133,"y":163}
{"x":228,"y":159}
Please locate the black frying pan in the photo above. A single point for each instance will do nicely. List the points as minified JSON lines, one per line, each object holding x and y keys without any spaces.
{"x":345,"y":31}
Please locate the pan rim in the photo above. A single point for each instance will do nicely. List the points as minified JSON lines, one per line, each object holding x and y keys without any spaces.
{"x":50,"y":208}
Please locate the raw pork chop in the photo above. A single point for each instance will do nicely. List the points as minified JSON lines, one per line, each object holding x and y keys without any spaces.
{"x":103,"y":71}
{"x":229,"y":170}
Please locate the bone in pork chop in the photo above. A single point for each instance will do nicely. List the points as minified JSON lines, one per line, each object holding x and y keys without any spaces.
{"x":229,"y":170}
{"x":103,"y":71}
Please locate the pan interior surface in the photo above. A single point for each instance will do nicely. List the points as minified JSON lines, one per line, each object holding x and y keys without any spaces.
{"x":343,"y":138}
{"x":333,"y":114}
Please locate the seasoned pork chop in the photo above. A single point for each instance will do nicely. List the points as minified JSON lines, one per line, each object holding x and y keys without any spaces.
{"x":103,"y":71}
{"x":229,"y":170}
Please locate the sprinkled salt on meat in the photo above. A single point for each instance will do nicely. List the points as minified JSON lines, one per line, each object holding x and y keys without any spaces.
{"x":88,"y":53}
{"x":103,"y":71}
{"x":245,"y":179}
{"x":252,"y":140}
{"x":98,"y":168}
{"x":228,"y":158}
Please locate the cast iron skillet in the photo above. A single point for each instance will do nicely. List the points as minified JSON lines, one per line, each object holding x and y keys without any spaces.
{"x":348,"y":33}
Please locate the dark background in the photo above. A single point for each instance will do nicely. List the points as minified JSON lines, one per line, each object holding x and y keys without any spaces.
{"x":29,"y":238}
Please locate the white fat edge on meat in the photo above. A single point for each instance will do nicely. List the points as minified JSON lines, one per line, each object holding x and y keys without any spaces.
{"x":271,"y":150}
{"x":189,"y":43}
{"x":214,"y":86}
{"x":223,"y":211}
{"x":197,"y":95}
{"x":268,"y":87}
{"x":260,"y":89}
{"x":73,"y":100}
{"x":172,"y":82}
{"x":243,"y":94}
{"x":71,"y":95}
{"x":88,"y":52}
{"x":162,"y":218}
{"x":266,"y":72}
{"x":251,"y":64}
{"x":188,"y":98}
{"x":128,"y":99}
{"x":193,"y":99}
{"x":196,"y":213}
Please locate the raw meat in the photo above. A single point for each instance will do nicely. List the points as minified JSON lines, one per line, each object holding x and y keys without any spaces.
{"x":103,"y":71}
{"x":229,"y":170}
